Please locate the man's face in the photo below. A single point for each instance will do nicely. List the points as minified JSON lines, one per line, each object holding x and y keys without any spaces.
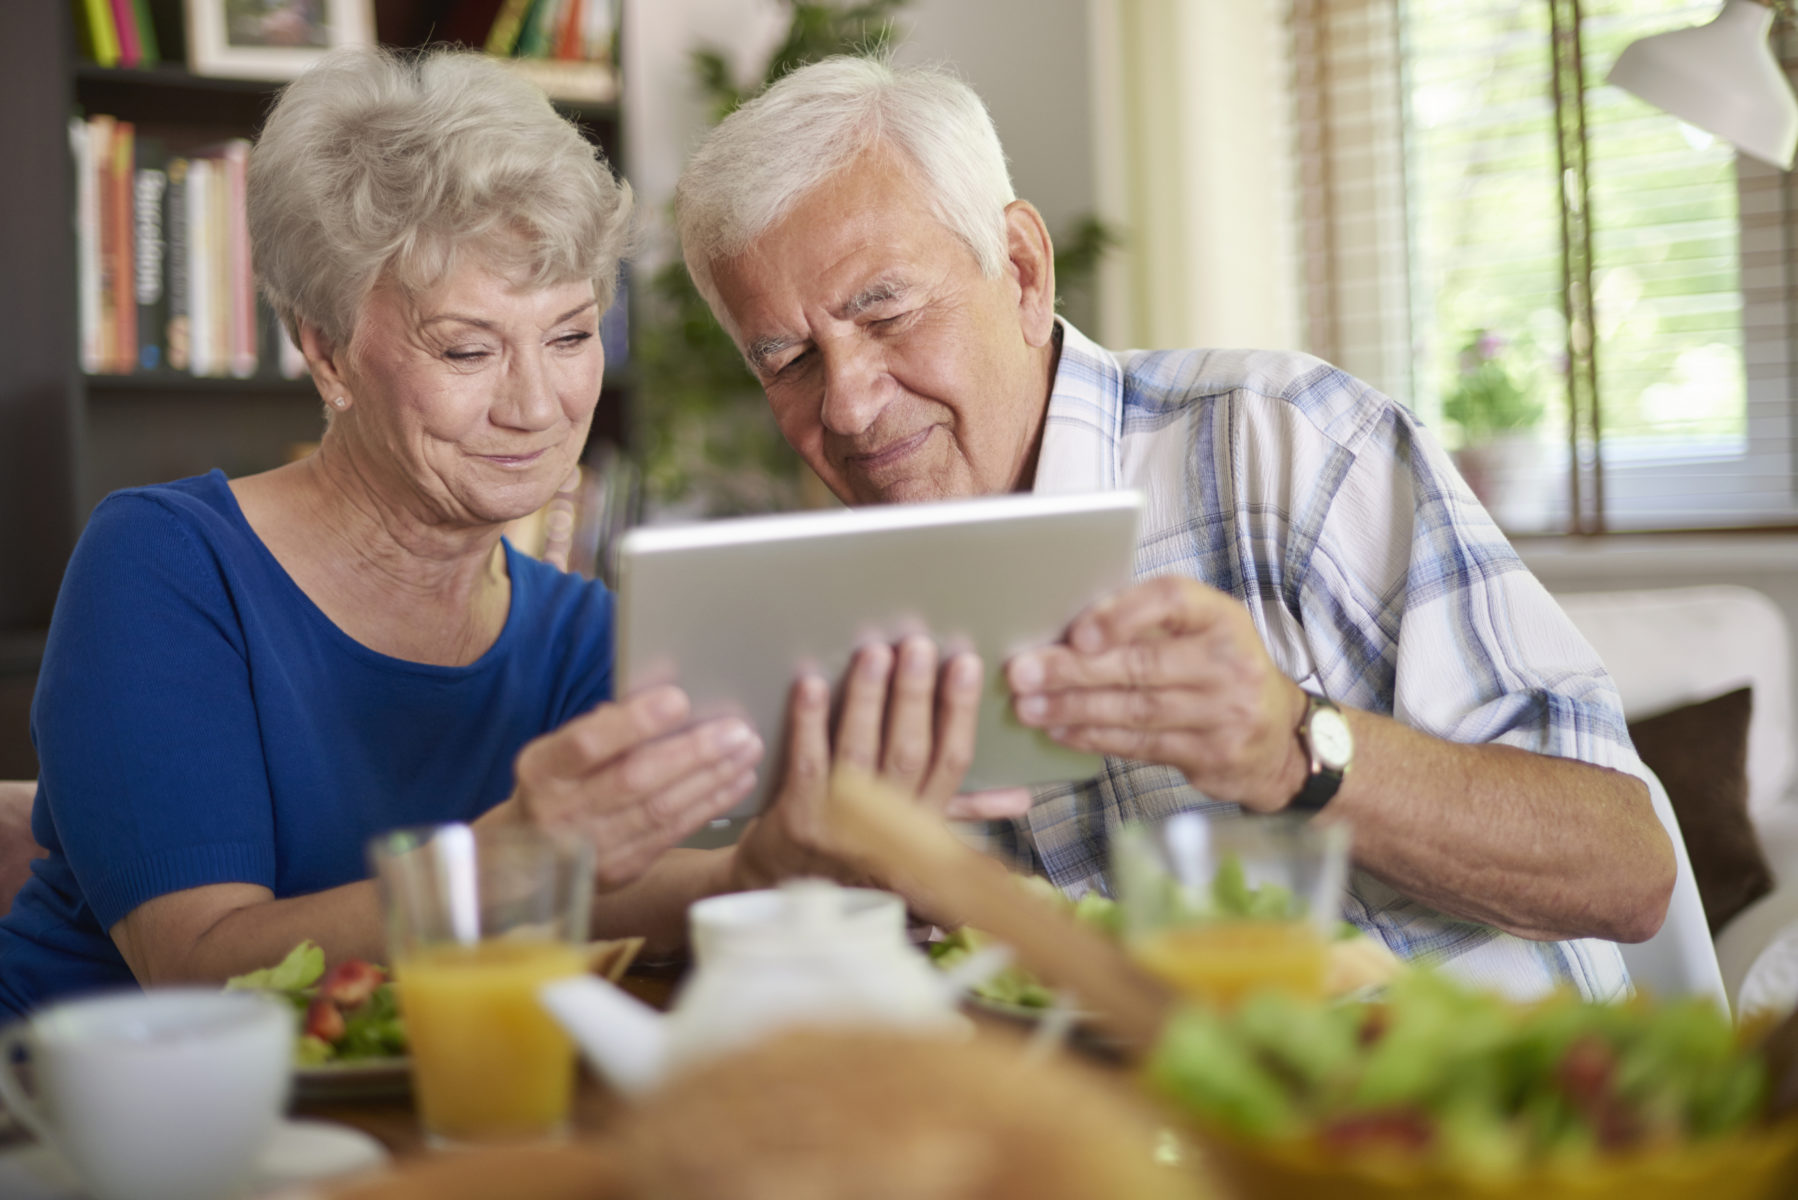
{"x":896,"y":369}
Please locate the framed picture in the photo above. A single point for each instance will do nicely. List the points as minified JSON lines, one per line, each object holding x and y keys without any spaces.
{"x":271,"y":39}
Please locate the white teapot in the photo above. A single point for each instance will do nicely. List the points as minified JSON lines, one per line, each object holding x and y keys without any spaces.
{"x":808,"y":953}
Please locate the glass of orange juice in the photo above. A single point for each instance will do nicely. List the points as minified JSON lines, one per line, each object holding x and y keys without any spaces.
{"x":1223,"y":906}
{"x":477,"y":921}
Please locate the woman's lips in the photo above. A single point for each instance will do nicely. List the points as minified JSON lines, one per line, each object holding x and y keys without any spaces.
{"x":514,"y":460}
{"x":891,"y":452}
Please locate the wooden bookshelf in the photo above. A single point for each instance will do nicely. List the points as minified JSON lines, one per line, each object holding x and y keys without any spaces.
{"x":67,"y":438}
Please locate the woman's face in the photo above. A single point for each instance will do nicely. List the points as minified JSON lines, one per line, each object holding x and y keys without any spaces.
{"x":473,"y":399}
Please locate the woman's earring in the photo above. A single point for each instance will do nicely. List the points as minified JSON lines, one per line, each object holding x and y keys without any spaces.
{"x":337,"y":402}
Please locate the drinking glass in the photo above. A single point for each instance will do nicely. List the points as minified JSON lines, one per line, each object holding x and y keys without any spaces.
{"x":477,"y":920}
{"x":1223,"y":906}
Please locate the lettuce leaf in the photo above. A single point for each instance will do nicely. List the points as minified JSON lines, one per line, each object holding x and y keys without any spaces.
{"x":300,"y":969}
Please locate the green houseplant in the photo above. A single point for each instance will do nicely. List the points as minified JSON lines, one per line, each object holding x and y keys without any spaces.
{"x":1494,"y":403}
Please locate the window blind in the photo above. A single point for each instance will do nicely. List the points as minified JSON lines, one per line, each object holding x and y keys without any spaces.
{"x":1692,"y":267}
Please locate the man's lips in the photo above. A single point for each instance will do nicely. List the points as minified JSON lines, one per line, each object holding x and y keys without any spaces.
{"x":892,"y":452}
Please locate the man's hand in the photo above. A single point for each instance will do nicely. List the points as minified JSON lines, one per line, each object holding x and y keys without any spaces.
{"x":1171,"y":671}
{"x":902,"y":719}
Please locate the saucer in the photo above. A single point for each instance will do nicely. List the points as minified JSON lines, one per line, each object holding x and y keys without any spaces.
{"x":299,"y":1151}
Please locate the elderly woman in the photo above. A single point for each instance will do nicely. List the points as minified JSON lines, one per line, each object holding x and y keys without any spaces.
{"x":247,"y":678}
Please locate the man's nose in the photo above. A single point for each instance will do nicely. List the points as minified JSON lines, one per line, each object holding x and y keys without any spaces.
{"x":853,"y":392}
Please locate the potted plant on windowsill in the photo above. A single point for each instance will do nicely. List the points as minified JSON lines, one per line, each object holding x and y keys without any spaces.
{"x":1493,"y":403}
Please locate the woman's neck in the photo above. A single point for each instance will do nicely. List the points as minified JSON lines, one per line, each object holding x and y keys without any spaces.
{"x":385,"y":569}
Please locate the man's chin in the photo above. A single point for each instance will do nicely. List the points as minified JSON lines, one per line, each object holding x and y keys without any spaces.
{"x":907,"y":491}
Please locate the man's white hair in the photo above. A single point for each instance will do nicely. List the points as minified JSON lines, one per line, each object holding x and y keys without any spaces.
{"x":762,"y":159}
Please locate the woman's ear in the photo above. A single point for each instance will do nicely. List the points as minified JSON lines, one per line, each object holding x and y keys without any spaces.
{"x":1032,"y":260}
{"x":324,"y":361}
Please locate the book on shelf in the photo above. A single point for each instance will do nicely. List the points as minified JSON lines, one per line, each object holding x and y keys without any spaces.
{"x":87,"y":245}
{"x":96,"y":32}
{"x":565,"y":47}
{"x":163,"y":275}
{"x":116,"y":33}
{"x":175,"y":269}
{"x":149,"y":251}
{"x":615,"y":324}
{"x":124,"y":20}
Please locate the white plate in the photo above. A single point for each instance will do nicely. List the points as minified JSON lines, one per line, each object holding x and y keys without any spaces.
{"x":300,"y":1151}
{"x":354,"y":1080}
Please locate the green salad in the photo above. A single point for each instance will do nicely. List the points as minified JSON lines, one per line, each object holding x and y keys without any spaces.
{"x":1463,"y":1078}
{"x":347,"y":1014}
{"x":1014,"y":985}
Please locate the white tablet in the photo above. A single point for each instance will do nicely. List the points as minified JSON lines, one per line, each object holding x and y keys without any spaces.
{"x":732,"y":610}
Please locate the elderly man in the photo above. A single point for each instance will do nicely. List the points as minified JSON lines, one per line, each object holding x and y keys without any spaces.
{"x":1317,"y":588}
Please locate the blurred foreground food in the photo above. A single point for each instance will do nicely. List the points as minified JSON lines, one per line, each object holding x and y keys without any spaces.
{"x":840,"y":1116}
{"x":1447,"y":1083}
{"x":885,"y":1116}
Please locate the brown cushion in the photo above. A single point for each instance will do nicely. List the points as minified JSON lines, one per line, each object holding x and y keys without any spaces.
{"x":1700,"y":752}
{"x":17,"y":848}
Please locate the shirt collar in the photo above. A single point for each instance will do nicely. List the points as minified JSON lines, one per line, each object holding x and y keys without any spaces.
{"x":1082,"y":426}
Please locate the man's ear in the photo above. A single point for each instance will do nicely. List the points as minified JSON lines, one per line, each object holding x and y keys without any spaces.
{"x":1032,"y":257}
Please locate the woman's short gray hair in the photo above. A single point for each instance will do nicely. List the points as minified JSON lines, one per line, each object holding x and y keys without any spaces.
{"x":753,"y":168}
{"x":372,"y":164}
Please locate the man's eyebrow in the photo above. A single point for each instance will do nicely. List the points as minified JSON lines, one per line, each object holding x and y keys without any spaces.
{"x":878,"y":292}
{"x":759,"y":351}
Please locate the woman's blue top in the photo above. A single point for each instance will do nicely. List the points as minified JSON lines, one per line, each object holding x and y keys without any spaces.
{"x":199,"y":720}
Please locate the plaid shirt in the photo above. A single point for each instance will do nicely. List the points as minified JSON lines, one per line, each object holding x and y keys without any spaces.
{"x":1373,"y":576}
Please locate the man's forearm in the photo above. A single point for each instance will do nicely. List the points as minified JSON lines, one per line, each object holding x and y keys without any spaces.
{"x":1542,"y":847}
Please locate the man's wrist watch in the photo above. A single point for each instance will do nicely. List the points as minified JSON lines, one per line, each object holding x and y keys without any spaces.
{"x":1329,"y":747}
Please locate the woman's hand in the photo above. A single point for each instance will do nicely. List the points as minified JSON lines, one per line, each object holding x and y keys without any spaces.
{"x":621,"y":778}
{"x":903,"y":719}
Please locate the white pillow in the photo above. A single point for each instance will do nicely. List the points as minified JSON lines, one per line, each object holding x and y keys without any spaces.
{"x":1667,"y":647}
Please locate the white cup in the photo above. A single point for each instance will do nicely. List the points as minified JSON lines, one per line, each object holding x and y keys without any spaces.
{"x":165,"y":1094}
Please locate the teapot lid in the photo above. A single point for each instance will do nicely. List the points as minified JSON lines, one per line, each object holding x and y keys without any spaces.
{"x":799,"y":913}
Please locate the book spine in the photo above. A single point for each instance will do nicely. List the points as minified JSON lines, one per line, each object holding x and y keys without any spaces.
{"x":87,"y":238}
{"x":502,"y":39}
{"x":218,"y":262}
{"x":151,"y":260}
{"x":535,"y":41}
{"x":100,"y":38}
{"x":614,"y":326}
{"x":596,"y":31}
{"x":124,"y":20}
{"x":244,"y":349}
{"x":199,"y":267}
{"x":568,"y":35}
{"x":175,"y":225}
{"x":150,"y":49}
{"x":100,"y":137}
{"x":124,"y":267}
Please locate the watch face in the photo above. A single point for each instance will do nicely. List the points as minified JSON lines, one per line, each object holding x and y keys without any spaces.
{"x":1330,"y":738}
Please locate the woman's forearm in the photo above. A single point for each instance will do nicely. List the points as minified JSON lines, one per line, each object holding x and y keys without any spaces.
{"x":654,"y":907}
{"x":208,"y":934}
